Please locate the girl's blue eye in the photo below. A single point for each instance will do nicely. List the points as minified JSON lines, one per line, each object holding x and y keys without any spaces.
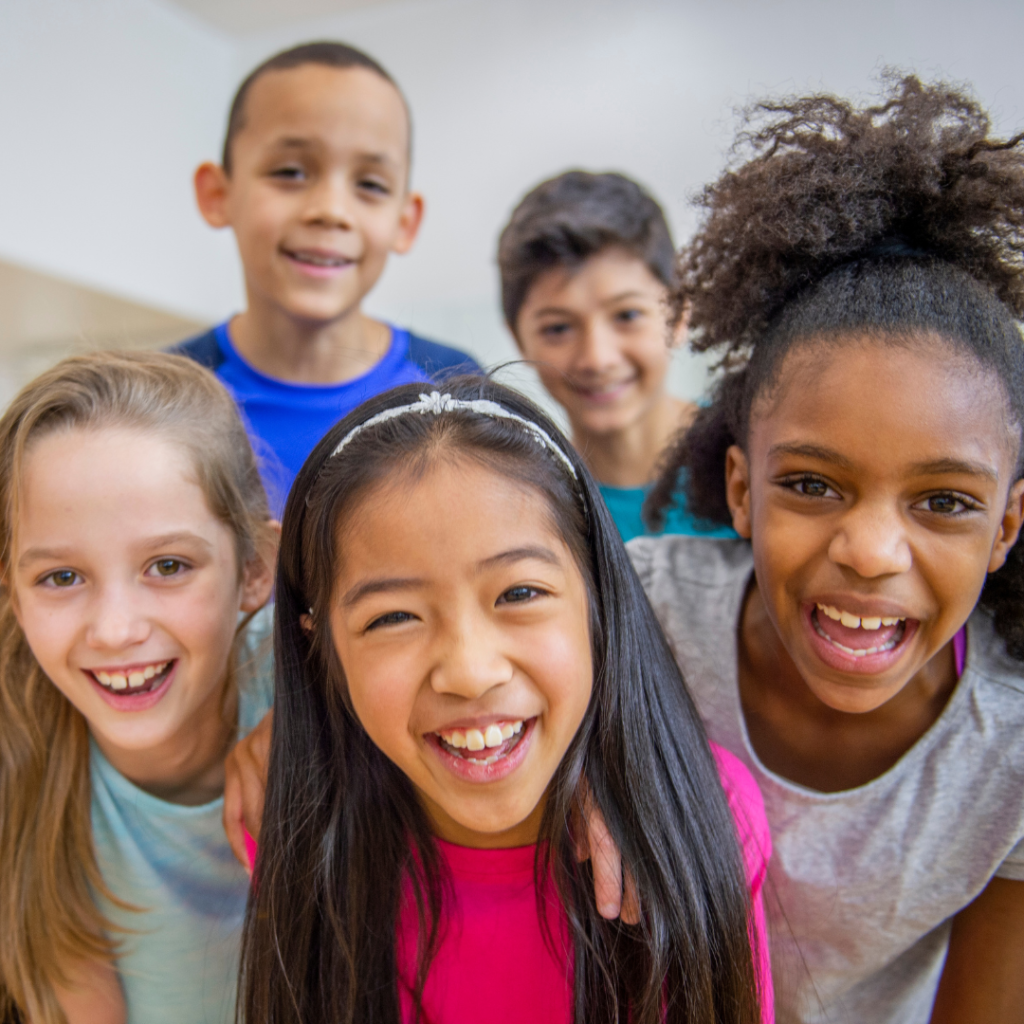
{"x":62,"y":578}
{"x":517,"y":595}
{"x":390,"y":619}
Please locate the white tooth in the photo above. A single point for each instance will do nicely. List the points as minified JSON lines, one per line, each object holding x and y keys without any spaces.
{"x":889,"y":620}
{"x":118,"y":681}
{"x":458,"y":740}
{"x":103,"y":678}
{"x":873,"y":623}
{"x":475,"y":739}
{"x":872,"y":650}
{"x":517,"y":727}
{"x":506,"y":732}
{"x":859,"y":653}
{"x":492,"y":737}
{"x":136,"y":678}
{"x":849,"y":621}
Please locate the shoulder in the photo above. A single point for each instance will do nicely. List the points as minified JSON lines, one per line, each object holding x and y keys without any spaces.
{"x":674,"y":562}
{"x":204,"y":349}
{"x":439,"y":361}
{"x":1001,"y":675}
{"x":747,"y":807}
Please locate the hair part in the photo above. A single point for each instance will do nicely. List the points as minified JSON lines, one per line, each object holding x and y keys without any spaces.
{"x":566,"y":220}
{"x":325,"y":54}
{"x":902,"y":222}
{"x":343,"y":829}
{"x":48,"y":912}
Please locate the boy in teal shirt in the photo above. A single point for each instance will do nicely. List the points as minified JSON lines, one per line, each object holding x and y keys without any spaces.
{"x":586,"y":262}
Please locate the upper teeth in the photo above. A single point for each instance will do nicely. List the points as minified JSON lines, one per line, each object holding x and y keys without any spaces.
{"x":859,"y":622}
{"x":320,"y":261}
{"x":476,"y":739}
{"x":122,"y":680}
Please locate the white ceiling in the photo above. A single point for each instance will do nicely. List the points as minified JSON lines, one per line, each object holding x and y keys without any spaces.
{"x":243,"y":16}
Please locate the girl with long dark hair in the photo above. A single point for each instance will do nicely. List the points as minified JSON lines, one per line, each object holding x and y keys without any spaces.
{"x":467,"y":665}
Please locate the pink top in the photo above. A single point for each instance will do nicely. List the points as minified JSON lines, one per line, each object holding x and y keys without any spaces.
{"x":493,"y":962}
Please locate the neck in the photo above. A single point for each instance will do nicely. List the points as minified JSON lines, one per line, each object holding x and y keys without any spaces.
{"x":187,"y":768}
{"x":445,"y":827}
{"x":629,"y":457}
{"x":308,"y":351}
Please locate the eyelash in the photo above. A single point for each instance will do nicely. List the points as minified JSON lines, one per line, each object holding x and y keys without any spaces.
{"x":969,"y":505}
{"x":794,"y":482}
{"x":400,"y":618}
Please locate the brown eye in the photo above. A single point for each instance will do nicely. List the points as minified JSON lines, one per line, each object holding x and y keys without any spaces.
{"x":63,"y":577}
{"x":167,"y":567}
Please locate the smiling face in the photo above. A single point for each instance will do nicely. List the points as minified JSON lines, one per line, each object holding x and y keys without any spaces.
{"x":600,"y":339}
{"x":318,"y":191}
{"x":461,"y":622}
{"x":128,"y":591}
{"x":878,"y":491}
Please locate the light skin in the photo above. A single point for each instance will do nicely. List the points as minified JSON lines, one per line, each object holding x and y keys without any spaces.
{"x":877,"y":493}
{"x":600,"y":339}
{"x":318,"y":198}
{"x":459,"y":607}
{"x":119,"y":564}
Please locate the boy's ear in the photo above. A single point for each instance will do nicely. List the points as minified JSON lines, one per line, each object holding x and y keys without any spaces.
{"x":211,"y":185}
{"x":408,"y":223}
{"x":258,"y":575}
{"x":1009,"y":527}
{"x":737,"y":489}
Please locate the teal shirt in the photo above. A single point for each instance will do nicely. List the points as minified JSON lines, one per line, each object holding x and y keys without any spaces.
{"x":178,"y":959}
{"x":625,"y":504}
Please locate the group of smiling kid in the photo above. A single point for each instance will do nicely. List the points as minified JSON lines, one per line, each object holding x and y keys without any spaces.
{"x":766,"y":763}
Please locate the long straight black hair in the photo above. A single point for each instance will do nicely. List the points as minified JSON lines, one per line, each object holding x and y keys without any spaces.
{"x":343,"y":828}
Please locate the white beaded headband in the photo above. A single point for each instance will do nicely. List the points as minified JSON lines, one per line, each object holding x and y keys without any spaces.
{"x":435,"y":403}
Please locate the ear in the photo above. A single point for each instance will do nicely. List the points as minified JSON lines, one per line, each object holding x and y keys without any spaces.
{"x":211,"y":185}
{"x":408,"y":223}
{"x":681,"y":330}
{"x":258,"y":576}
{"x":737,"y":489}
{"x":1009,"y":527}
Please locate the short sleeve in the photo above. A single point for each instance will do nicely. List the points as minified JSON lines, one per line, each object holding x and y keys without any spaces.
{"x":1013,"y":864}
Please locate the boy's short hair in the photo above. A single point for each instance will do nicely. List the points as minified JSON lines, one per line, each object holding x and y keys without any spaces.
{"x":326,"y":53}
{"x":566,"y":220}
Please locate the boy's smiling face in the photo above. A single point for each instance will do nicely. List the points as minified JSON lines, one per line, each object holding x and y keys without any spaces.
{"x":877,"y":487}
{"x":318,"y":190}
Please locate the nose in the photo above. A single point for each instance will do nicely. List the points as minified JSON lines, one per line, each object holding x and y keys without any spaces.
{"x":469,"y":661}
{"x":329,"y":203}
{"x":117,"y":620}
{"x":872,"y":541}
{"x":598,"y":349}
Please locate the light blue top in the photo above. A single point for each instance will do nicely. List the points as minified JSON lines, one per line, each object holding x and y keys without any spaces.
{"x":625,"y":504}
{"x":179,"y":963}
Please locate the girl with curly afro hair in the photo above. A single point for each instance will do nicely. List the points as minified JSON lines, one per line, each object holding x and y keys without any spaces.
{"x":860,"y":271}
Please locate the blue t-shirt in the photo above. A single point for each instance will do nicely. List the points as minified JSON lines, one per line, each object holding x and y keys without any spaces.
{"x":178,"y":957}
{"x":286,"y":420}
{"x":625,"y":504}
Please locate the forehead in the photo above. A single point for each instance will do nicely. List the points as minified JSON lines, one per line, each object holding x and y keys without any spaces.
{"x":911,"y":403}
{"x":605,"y":276}
{"x":338,"y":107}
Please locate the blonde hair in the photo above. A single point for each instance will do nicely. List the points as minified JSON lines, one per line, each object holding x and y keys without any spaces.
{"x":49,"y":875}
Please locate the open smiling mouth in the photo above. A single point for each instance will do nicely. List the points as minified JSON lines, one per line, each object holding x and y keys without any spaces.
{"x":857,"y":636}
{"x":499,"y":740}
{"x":318,"y":259}
{"x":138,"y":680}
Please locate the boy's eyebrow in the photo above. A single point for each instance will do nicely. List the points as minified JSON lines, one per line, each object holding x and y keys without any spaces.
{"x":630,"y":293}
{"x":56,"y":554}
{"x":298,"y":142}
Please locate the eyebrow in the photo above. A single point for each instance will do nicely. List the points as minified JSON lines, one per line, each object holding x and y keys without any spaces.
{"x":562,"y":311}
{"x":166,"y":540}
{"x":934,"y":467}
{"x":297,"y":142}
{"x":386,"y":584}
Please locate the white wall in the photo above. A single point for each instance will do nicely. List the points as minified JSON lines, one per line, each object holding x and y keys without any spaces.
{"x":107,"y":105}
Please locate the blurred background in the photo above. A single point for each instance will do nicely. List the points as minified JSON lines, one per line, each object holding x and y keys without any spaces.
{"x":107,"y":106}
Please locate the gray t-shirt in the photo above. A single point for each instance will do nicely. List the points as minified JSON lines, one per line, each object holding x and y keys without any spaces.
{"x":862,"y":883}
{"x":178,"y":962}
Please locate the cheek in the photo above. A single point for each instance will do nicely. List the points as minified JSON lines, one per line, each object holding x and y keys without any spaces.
{"x":383,"y":694}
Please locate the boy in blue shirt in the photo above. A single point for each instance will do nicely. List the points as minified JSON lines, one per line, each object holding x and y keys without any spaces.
{"x":314,"y":182}
{"x":586,"y":263}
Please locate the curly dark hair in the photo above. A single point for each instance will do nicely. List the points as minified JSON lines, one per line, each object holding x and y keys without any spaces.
{"x":897,"y":220}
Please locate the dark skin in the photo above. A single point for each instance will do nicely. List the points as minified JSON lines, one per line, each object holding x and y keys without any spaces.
{"x":882,"y":494}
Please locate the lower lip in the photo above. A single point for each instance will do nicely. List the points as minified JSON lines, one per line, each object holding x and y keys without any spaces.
{"x":483,"y":773}
{"x":865,"y":665}
{"x":606,"y":397}
{"x":136,"y":702}
{"x":313,"y":270}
